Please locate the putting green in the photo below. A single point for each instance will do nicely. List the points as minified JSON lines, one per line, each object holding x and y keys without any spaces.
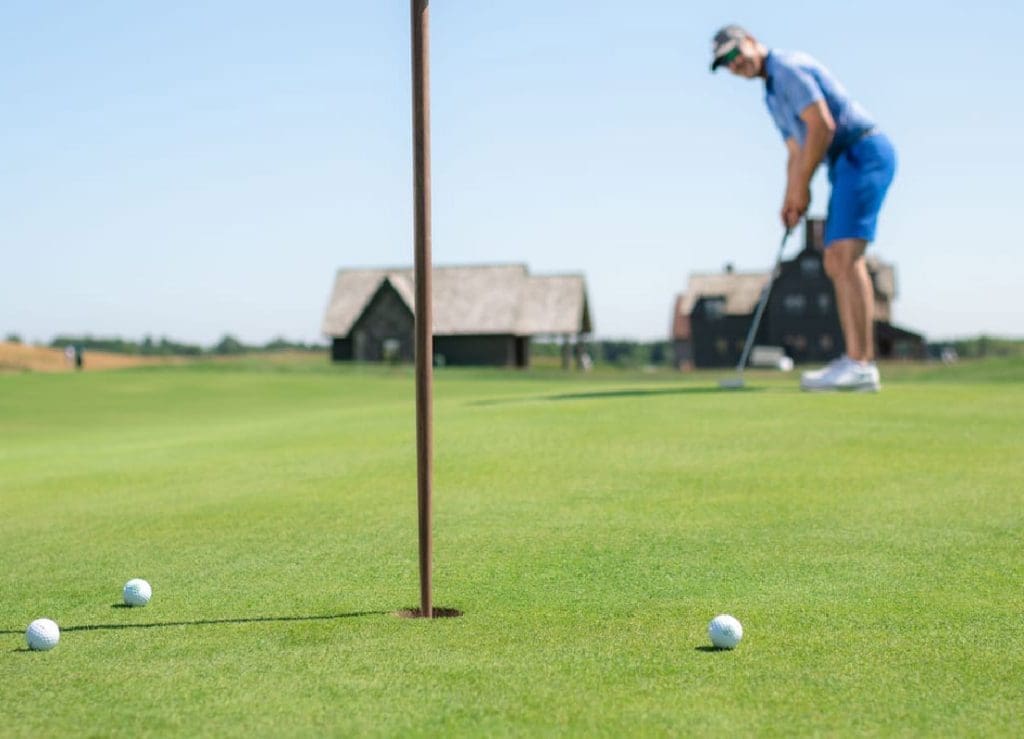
{"x":588,"y":527}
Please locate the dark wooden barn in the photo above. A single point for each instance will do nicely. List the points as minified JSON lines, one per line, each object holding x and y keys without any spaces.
{"x":483,"y":315}
{"x":712,"y":317}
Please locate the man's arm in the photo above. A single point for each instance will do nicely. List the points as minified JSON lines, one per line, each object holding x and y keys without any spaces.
{"x":803,"y":161}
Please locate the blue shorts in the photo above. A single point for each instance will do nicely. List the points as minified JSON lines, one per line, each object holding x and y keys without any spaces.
{"x":860,"y":177}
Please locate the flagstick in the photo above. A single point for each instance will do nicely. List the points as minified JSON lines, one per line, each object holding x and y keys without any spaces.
{"x":424,"y":313}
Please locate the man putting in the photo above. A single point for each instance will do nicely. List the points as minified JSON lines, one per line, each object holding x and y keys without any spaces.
{"x":819,"y":121}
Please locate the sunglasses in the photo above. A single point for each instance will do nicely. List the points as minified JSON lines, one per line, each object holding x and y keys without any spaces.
{"x":727,"y":59}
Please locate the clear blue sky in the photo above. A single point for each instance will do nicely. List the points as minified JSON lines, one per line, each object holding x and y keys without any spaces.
{"x":190,"y":169}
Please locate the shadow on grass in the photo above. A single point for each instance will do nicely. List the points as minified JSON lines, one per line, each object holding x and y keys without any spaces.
{"x":625,"y":393}
{"x":209,"y":622}
{"x":715,"y":650}
{"x":642,"y":393}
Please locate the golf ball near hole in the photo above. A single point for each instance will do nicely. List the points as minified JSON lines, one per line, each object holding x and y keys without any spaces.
{"x":137,"y":592}
{"x":42,"y":635}
{"x":725,"y":631}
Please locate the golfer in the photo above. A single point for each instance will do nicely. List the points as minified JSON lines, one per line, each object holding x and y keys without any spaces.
{"x":819,"y":122}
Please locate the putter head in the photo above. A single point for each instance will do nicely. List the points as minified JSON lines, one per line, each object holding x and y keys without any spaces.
{"x":733,"y":383}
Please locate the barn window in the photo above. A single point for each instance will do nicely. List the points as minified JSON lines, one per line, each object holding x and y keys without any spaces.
{"x":714,"y":307}
{"x":797,"y":342}
{"x":810,"y":267}
{"x":794,"y":303}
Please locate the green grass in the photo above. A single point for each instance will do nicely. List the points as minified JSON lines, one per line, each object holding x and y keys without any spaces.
{"x":589,"y":527}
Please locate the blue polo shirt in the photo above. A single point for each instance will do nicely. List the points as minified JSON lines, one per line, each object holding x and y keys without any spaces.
{"x":794,"y":80}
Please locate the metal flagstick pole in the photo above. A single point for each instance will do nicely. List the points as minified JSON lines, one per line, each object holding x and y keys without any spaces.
{"x":424,"y":312}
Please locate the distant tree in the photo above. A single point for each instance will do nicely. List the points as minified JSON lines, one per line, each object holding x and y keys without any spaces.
{"x":113,"y":345}
{"x":13,"y":338}
{"x":147,"y":347}
{"x":545,"y":348}
{"x":229,"y":345}
{"x":988,"y":346}
{"x":280,"y":344}
{"x":621,"y":353}
{"x":166,"y":347}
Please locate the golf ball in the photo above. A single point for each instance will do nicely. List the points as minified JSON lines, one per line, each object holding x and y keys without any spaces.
{"x":42,"y":635}
{"x":725,"y":631}
{"x":137,"y":592}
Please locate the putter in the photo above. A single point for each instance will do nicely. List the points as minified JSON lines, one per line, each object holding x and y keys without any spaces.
{"x":736,"y":383}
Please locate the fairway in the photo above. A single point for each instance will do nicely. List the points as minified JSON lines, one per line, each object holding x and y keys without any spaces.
{"x":588,"y":527}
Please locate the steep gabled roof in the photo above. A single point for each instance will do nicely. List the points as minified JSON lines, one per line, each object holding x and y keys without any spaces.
{"x":741,"y":291}
{"x":554,"y":304}
{"x":478,"y":300}
{"x":350,"y":295}
{"x":489,"y":299}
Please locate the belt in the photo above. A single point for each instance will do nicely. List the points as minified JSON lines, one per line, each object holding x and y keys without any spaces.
{"x":852,"y":142}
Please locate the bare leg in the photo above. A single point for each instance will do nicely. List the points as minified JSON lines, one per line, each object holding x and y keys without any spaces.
{"x":855,"y":296}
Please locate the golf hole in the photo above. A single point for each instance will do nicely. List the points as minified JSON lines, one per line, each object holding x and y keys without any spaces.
{"x":438,"y":613}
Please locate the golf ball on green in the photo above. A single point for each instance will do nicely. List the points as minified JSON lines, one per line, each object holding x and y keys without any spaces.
{"x":725,"y":631}
{"x":42,"y":635}
{"x":137,"y":593}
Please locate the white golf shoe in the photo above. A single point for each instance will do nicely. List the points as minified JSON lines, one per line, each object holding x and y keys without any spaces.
{"x":815,"y":375}
{"x":843,"y":374}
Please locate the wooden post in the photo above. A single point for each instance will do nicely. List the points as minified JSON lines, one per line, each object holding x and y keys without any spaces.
{"x":424,"y":311}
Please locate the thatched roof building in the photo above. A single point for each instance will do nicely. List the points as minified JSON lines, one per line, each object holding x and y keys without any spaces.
{"x":481,"y":314}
